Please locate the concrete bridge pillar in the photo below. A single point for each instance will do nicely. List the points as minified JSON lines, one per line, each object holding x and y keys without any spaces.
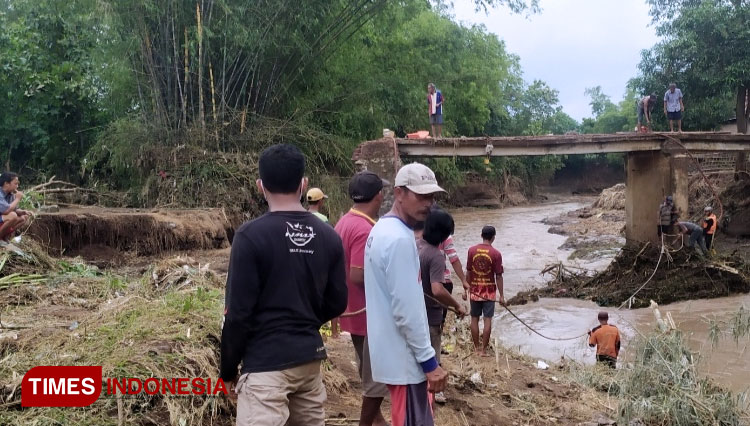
{"x":381,"y":157}
{"x":651,"y":176}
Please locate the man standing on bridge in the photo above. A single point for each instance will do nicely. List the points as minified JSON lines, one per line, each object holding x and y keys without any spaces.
{"x":435,"y":104}
{"x":673,"y":107}
{"x":645,"y":106}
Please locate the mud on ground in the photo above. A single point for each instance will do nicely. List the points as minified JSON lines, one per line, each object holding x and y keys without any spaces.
{"x":507,"y":389}
{"x":103,"y":234}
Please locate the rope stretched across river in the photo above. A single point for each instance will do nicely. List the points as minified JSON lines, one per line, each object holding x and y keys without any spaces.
{"x":513,"y":314}
{"x":455,"y":311}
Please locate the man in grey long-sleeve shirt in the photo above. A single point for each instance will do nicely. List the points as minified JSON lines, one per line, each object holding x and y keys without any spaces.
{"x":401,"y":354}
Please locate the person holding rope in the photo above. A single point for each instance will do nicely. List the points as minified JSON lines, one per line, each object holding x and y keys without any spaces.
{"x":484,"y":273}
{"x":667,"y":215}
{"x":286,"y":279}
{"x":606,"y":339}
{"x":366,"y":190}
{"x":398,"y":333}
{"x":438,"y":226}
{"x":709,"y":225}
{"x":697,"y":240}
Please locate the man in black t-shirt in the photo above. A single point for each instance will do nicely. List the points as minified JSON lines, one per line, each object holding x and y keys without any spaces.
{"x":286,"y":279}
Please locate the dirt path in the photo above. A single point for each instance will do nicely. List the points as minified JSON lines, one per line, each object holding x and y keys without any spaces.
{"x":511,"y":390}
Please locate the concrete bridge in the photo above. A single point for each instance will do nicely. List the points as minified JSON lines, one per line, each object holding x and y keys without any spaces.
{"x":656,"y":164}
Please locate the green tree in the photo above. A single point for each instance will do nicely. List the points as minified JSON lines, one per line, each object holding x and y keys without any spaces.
{"x":608,"y":116}
{"x":706,"y":50}
{"x":48,"y":82}
{"x":600,"y":102}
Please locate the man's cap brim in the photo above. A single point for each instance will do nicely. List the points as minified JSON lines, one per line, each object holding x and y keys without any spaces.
{"x":425,"y":189}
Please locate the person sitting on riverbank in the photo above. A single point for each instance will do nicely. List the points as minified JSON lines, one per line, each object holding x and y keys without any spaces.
{"x":484,"y":273}
{"x":11,"y":217}
{"x":438,"y":227}
{"x":606,"y":339}
{"x":315,"y":199}
{"x":697,"y":239}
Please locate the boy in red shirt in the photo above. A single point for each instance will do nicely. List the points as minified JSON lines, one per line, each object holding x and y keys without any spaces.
{"x":484,"y":273}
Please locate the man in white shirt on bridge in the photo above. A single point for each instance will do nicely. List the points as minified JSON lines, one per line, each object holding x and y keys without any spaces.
{"x":673,"y":107}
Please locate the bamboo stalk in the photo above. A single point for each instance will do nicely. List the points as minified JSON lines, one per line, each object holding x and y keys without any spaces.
{"x":213,"y":102}
{"x":201,"y":108}
{"x":187,"y":76}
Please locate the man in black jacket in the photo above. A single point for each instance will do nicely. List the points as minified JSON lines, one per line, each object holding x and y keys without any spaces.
{"x":286,"y":278}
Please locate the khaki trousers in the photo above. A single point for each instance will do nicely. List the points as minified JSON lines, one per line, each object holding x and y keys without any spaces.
{"x":292,"y":397}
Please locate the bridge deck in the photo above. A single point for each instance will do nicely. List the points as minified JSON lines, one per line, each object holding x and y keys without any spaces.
{"x":573,"y":144}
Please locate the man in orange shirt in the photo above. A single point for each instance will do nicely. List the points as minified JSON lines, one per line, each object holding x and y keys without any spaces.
{"x":606,"y":338}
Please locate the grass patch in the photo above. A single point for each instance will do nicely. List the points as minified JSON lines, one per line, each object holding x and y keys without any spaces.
{"x":132,"y":329}
{"x":662,"y":386}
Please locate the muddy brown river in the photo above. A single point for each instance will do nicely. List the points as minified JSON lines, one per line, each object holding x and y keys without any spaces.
{"x":527,"y":248}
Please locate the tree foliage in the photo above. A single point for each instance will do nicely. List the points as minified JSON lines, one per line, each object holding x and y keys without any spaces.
{"x":608,"y":116}
{"x":115,"y":89}
{"x":705,"y":49}
{"x":50,"y":90}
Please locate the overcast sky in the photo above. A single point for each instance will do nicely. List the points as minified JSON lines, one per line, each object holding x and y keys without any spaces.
{"x":573,"y":44}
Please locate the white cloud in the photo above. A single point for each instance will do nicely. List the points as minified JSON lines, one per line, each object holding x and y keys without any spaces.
{"x":573,"y":44}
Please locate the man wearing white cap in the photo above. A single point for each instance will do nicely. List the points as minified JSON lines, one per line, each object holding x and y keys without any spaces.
{"x":401,"y":355}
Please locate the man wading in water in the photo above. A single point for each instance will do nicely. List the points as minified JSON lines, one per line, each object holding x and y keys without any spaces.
{"x":606,"y":338}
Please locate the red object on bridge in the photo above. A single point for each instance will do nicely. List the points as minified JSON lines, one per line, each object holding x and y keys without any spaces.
{"x":421,"y":134}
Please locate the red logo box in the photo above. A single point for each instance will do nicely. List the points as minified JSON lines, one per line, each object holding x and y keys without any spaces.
{"x":61,"y":386}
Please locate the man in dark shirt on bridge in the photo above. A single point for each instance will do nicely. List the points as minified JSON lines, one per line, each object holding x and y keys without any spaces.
{"x":286,"y":279}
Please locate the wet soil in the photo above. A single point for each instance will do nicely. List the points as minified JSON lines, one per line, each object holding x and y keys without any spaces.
{"x":102,"y":235}
{"x":512,"y":390}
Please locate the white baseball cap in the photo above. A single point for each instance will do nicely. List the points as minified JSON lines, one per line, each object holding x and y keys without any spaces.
{"x":417,"y":178}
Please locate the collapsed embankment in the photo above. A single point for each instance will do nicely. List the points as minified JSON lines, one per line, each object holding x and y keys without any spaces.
{"x":104,"y":234}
